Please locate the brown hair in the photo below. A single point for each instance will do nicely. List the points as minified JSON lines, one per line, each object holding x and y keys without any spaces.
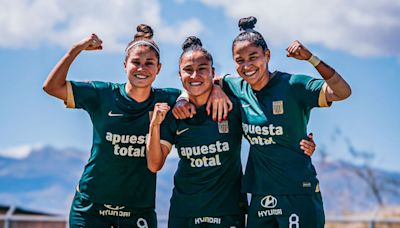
{"x":144,"y":33}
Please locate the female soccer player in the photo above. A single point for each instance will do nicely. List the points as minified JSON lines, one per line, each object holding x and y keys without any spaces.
{"x":116,"y":188}
{"x":208,"y":179}
{"x":275,"y":112}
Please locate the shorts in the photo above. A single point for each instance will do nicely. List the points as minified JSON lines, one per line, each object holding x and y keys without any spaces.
{"x":85,"y":213}
{"x":293,"y":211}
{"x":229,"y":221}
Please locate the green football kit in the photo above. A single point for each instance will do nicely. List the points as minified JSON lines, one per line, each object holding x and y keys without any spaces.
{"x":274,"y":121}
{"x":116,"y":182}
{"x":207,"y":183}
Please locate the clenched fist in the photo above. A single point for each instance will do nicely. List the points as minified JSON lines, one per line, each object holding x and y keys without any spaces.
{"x":159,"y":113}
{"x":298,"y":51}
{"x":90,"y":43}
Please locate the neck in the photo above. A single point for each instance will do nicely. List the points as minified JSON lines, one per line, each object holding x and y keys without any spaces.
{"x":136,"y":93}
{"x":262,"y":82}
{"x":199,"y":100}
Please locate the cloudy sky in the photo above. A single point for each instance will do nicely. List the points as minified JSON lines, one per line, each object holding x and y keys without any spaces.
{"x":359,"y":39}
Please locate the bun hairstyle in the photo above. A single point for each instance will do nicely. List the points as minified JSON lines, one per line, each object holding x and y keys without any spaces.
{"x":143,"y":32}
{"x":247,"y":23}
{"x":247,"y":33}
{"x":193,"y":43}
{"x":143,"y":36}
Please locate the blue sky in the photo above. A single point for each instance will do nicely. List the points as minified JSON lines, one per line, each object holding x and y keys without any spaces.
{"x":356,"y":38}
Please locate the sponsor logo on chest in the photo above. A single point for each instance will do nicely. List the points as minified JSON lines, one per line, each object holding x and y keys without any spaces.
{"x":210,"y":154}
{"x":122,"y":147}
{"x":263,"y":134}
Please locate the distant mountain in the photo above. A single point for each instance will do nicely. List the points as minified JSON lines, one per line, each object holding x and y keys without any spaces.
{"x":46,"y":181}
{"x":345,"y":190}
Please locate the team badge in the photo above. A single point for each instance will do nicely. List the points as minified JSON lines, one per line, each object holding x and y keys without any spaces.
{"x":223,"y":126}
{"x":277,"y":107}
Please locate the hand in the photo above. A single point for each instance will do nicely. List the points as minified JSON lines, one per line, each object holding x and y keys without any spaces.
{"x":90,"y":43}
{"x":159,"y":113}
{"x":183,"y":109}
{"x":308,"y":146}
{"x":220,"y":102}
{"x":298,"y":51}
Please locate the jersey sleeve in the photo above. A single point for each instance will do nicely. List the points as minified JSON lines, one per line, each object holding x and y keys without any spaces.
{"x":168,"y":95}
{"x":82,"y":95}
{"x":309,"y":91}
{"x":231,"y":84}
{"x":167,"y":131}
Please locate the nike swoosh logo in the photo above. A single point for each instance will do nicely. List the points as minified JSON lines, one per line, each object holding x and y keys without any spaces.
{"x":181,"y":131}
{"x":245,"y":105}
{"x":114,"y":114}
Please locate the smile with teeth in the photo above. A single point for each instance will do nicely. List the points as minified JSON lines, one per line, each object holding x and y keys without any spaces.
{"x":141,"y":76}
{"x":250,"y":73}
{"x":195,"y":83}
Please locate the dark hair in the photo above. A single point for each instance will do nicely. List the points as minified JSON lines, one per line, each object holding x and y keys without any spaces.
{"x":246,"y":25}
{"x":193,"y":43}
{"x":145,"y":33}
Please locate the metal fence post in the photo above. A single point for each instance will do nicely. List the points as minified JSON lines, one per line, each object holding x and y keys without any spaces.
{"x":8,"y":216}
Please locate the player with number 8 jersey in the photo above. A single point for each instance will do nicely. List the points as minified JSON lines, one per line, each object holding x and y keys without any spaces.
{"x":275,"y":112}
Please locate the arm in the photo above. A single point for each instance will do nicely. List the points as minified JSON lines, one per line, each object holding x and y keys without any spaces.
{"x":55,"y":84}
{"x":219,"y":102}
{"x":337,"y":88}
{"x":156,"y":152}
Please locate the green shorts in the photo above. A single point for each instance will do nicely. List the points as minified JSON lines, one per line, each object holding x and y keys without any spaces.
{"x":293,"y":211}
{"x":85,"y":213}
{"x":229,"y":221}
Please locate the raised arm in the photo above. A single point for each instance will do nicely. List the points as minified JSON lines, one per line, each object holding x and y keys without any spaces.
{"x":337,"y":89}
{"x":55,"y":84}
{"x":156,"y":152}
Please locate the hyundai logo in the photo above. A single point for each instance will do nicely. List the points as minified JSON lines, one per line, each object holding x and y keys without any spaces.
{"x":269,"y":201}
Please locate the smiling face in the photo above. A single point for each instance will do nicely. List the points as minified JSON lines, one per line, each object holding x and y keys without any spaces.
{"x":141,"y":66}
{"x":251,"y":63}
{"x":196,"y":73}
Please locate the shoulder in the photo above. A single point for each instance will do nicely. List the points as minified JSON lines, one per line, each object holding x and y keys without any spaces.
{"x":299,"y":79}
{"x":230,"y":79}
{"x":95,"y":84}
{"x":168,"y":95}
{"x":167,"y":91}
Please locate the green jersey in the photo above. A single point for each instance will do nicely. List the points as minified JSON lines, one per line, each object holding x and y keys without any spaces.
{"x":116,"y":172}
{"x":208,"y":178}
{"x":274,"y":121}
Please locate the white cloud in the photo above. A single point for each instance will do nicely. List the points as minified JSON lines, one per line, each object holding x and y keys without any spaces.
{"x":362,"y":28}
{"x":30,"y":23}
{"x":19,"y":152}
